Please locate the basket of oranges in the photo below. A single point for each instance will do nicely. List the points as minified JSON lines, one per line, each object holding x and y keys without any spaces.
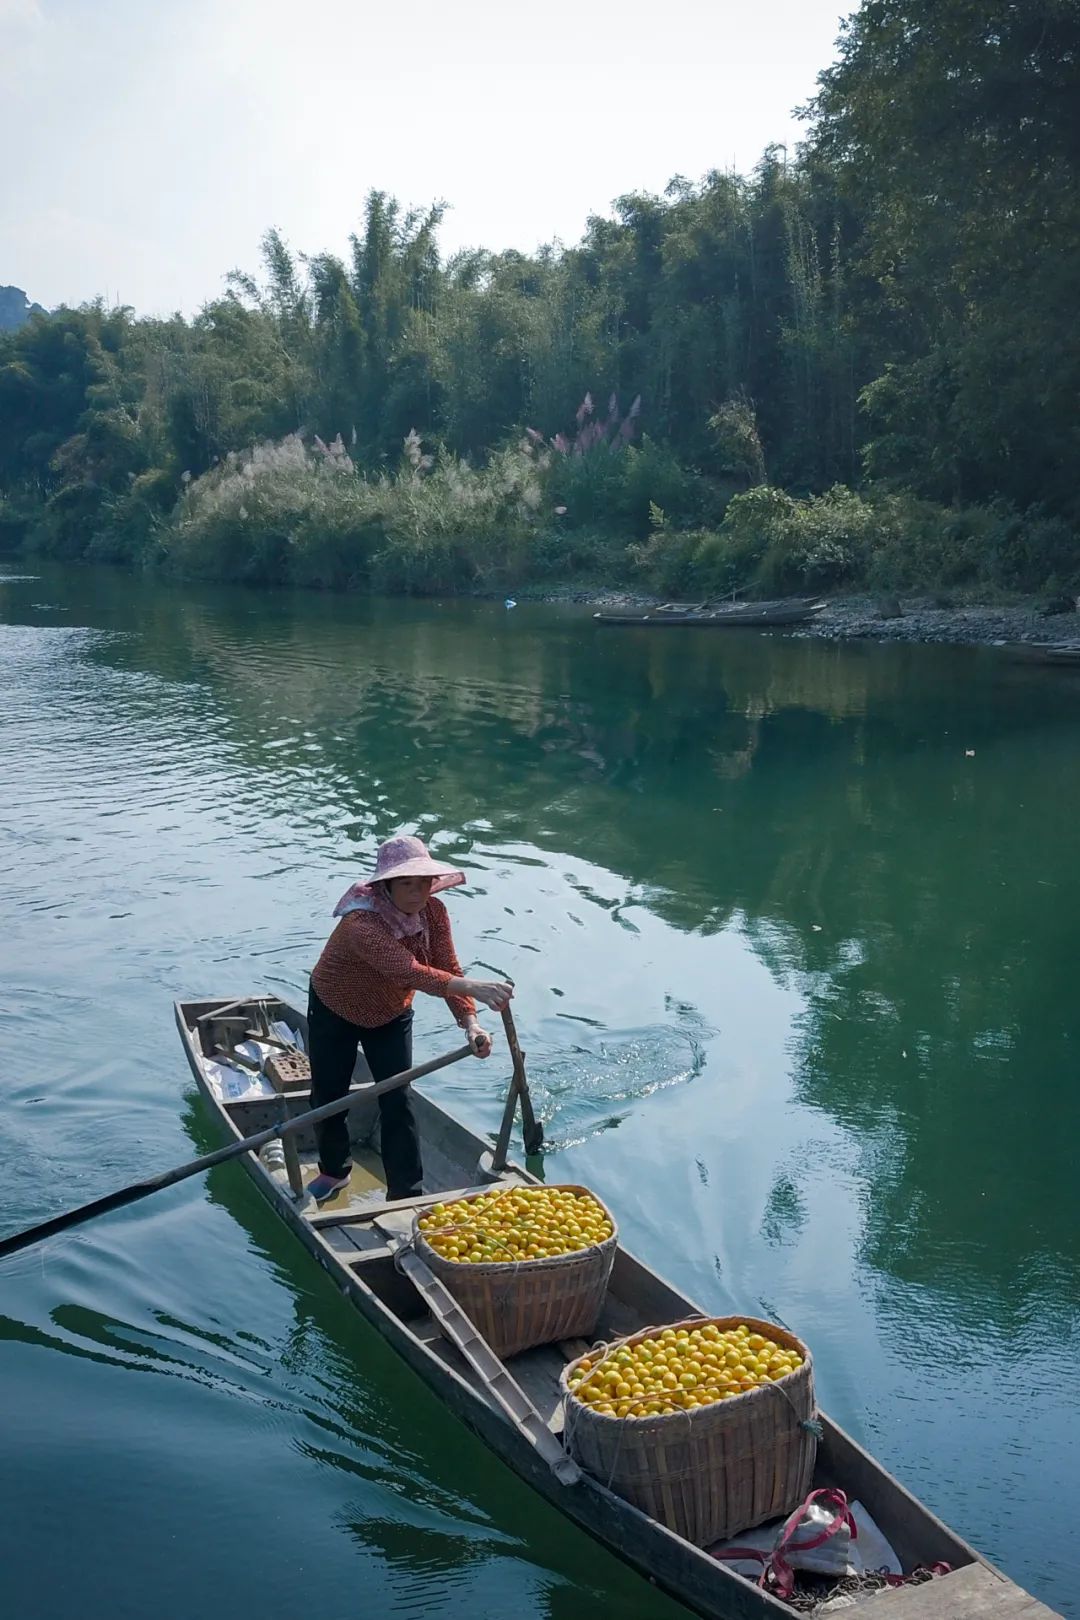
{"x":708,"y":1426}
{"x":527,"y":1264}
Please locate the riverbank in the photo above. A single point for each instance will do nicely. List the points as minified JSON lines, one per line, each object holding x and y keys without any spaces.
{"x":912,"y":618}
{"x":925,"y":619}
{"x":847,"y":617}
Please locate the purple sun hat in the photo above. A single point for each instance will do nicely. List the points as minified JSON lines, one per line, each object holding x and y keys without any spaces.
{"x":400,"y":857}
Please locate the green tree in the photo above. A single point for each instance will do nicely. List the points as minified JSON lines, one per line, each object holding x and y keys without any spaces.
{"x":953,"y":131}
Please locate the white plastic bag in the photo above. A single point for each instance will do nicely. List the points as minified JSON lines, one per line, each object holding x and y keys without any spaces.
{"x":843,"y":1538}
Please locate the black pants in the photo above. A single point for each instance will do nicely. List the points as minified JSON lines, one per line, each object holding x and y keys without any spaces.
{"x":332,"y":1045}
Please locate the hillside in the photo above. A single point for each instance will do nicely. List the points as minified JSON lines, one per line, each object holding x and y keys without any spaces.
{"x":15,"y":308}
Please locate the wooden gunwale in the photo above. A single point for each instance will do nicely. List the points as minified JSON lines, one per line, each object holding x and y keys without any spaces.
{"x":707,"y":1586}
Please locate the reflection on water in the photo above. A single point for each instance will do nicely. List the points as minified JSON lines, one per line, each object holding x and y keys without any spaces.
{"x":792,"y":928}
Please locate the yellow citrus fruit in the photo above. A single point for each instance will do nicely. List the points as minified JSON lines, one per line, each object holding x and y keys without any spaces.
{"x":680,"y":1370}
{"x":509,"y":1225}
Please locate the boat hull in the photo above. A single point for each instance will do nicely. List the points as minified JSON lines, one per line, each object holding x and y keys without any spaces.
{"x":1062,"y":655}
{"x":759,"y":617}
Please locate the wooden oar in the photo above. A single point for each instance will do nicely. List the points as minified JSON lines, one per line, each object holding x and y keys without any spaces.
{"x":143,"y":1189}
{"x":531,"y":1129}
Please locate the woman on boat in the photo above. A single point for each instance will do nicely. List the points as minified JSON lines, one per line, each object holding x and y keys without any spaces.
{"x":393,"y":939}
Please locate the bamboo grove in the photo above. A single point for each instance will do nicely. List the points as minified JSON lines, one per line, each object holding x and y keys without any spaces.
{"x":857,"y":364}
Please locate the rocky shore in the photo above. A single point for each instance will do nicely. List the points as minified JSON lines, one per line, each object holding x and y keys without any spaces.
{"x":908,"y":618}
{"x":925,"y":619}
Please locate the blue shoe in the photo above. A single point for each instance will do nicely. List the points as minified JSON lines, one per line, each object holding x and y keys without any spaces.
{"x":324,"y":1186}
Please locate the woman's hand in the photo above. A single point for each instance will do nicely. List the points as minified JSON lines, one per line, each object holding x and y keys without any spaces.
{"x":478,"y":1038}
{"x":493,"y":993}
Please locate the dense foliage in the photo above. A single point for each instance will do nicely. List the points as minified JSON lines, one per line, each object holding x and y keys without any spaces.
{"x":859,"y":365}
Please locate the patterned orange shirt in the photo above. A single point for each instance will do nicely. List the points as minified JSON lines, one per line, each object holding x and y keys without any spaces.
{"x":367,"y":976}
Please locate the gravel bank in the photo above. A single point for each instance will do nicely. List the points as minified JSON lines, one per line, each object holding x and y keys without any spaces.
{"x":852,"y":618}
{"x":923,"y":619}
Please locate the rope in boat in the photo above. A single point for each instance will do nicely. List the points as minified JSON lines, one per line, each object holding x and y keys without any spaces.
{"x":778,"y":1577}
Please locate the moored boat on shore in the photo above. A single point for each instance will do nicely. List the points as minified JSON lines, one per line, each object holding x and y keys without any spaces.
{"x":791,"y":610}
{"x":1065,"y":654}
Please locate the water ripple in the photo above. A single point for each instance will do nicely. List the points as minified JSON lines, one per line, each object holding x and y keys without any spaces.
{"x":785,"y":972}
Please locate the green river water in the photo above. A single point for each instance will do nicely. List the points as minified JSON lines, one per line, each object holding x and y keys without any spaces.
{"x":794,"y":933}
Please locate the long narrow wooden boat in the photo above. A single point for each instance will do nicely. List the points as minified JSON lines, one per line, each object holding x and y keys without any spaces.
{"x":793,"y":610}
{"x":1064,"y":654}
{"x":343,"y":1235}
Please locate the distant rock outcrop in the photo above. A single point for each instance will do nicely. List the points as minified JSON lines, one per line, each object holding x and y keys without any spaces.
{"x":15,"y":308}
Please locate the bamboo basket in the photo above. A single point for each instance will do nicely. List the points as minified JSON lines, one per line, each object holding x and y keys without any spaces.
{"x":717,"y":1470}
{"x":518,"y":1304}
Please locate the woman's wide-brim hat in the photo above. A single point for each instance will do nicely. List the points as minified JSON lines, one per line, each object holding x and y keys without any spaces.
{"x":408,"y":857}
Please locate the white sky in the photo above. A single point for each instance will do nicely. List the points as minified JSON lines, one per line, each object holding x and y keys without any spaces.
{"x":146,"y":145}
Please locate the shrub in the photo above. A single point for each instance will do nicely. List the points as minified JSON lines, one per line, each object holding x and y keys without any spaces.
{"x":130,"y":526}
{"x":560,"y":552}
{"x":921,"y":543}
{"x":613,"y":489}
{"x":289,"y":513}
{"x":802,"y":544}
{"x":597,"y":477}
{"x":300,"y":514}
{"x":14,"y":525}
{"x":68,"y":517}
{"x":695,"y":562}
{"x":652,"y":476}
{"x":1036,"y":551}
{"x":771,"y":542}
{"x":447,"y":525}
{"x":666,"y":560}
{"x":279,"y":513}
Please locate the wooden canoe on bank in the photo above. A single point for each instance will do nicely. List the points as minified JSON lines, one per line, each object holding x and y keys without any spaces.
{"x":1064,"y":654}
{"x":791,"y":610}
{"x":347,"y":1236}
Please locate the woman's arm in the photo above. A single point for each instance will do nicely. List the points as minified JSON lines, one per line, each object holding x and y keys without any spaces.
{"x":462,"y":993}
{"x":494,"y":993}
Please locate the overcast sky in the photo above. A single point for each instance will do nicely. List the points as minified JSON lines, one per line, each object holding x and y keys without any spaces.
{"x":146,"y":145}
